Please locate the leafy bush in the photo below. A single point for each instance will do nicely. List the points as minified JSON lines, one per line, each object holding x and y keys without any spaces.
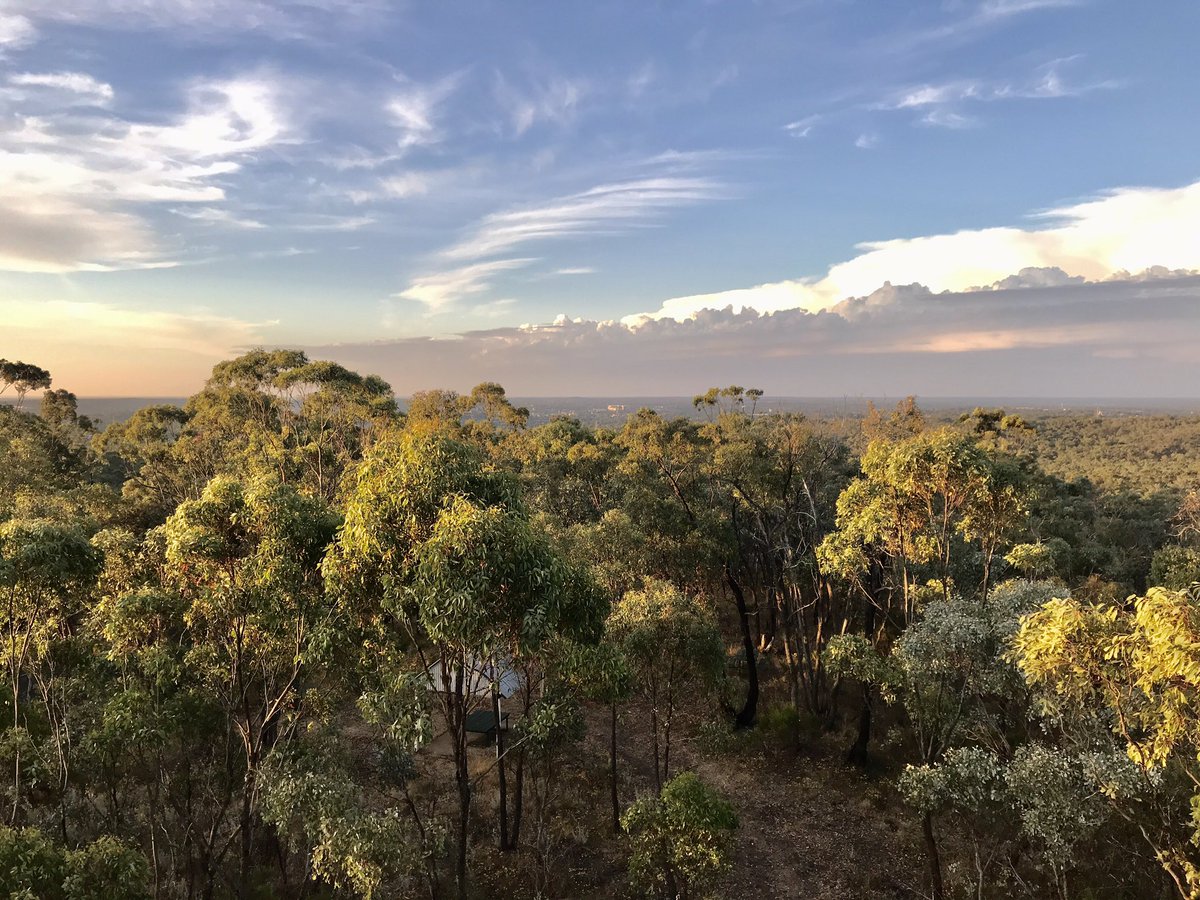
{"x":682,"y":839}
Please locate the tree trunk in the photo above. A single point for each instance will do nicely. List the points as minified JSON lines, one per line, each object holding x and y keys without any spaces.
{"x":518,"y":800}
{"x":464,"y":812}
{"x":500,"y":774}
{"x":612,"y":769}
{"x":657,"y":754}
{"x":748,"y":714}
{"x":935,"y":860}
{"x":859,"y":753}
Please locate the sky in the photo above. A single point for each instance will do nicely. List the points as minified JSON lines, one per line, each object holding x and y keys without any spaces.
{"x":816,"y":197}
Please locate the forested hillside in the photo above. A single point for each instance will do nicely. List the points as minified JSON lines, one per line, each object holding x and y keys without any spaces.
{"x":287,"y":641}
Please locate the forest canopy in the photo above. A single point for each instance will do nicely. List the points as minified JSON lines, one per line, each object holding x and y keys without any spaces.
{"x":293,"y":638}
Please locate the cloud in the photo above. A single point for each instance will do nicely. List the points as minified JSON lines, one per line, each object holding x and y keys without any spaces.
{"x":1116,"y":338}
{"x":554,"y":100}
{"x":15,"y":31}
{"x":866,"y":141}
{"x":1129,"y":229}
{"x":440,"y":289}
{"x":212,"y":215}
{"x":280,"y":19}
{"x":979,"y":20}
{"x":603,"y":210}
{"x":599,"y":210}
{"x":940,"y":104}
{"x":413,"y":109}
{"x":84,"y":86}
{"x":74,"y":184}
{"x":802,"y":128}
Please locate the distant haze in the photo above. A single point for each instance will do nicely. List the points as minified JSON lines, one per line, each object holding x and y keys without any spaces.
{"x":596,"y":410}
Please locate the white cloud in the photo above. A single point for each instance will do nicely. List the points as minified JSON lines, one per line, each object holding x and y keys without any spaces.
{"x":866,"y":141}
{"x":73,"y":183}
{"x":555,"y":100}
{"x":413,"y":109}
{"x":1126,"y":230}
{"x":802,"y":128}
{"x":407,"y":184}
{"x":1117,"y":338}
{"x":602,"y":210}
{"x":15,"y":31}
{"x":212,"y":215}
{"x":86,"y":87}
{"x":439,"y":289}
{"x":941,"y":103}
{"x":285,"y":19}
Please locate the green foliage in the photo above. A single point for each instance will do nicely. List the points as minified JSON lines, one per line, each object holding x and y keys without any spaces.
{"x":681,"y":841}
{"x":32,"y":868}
{"x":352,"y":847}
{"x":1140,"y":662}
{"x":1175,"y":567}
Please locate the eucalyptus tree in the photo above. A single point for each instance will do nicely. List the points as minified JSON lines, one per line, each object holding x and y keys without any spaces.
{"x":673,"y":649}
{"x":779,"y":480}
{"x":682,"y":521}
{"x":439,"y":560}
{"x":303,"y":420}
{"x":246,"y":558}
{"x":950,"y":675}
{"x":46,"y":574}
{"x":1139,"y":662}
{"x":488,"y":587}
{"x":601,"y":672}
{"x":139,"y":458}
{"x":31,"y":866}
{"x":918,"y":507}
{"x":22,"y":377}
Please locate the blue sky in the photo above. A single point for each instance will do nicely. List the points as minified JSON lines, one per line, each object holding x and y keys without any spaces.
{"x":182,"y":179}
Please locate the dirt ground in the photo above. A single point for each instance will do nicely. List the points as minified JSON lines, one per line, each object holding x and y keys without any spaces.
{"x":809,"y":826}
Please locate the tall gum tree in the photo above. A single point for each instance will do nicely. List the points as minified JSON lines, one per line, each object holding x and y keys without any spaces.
{"x":438,"y":556}
{"x":247,"y":558}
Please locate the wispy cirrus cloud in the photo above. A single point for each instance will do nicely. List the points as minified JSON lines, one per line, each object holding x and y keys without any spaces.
{"x":279,"y":19}
{"x":438,"y":290}
{"x":971,"y":21}
{"x":470,"y":265}
{"x":78,"y":85}
{"x":555,"y":100}
{"x":414,"y":108}
{"x":942,"y":104}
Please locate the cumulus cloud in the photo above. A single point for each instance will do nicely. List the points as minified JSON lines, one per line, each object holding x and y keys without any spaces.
{"x":1117,"y":338}
{"x":1125,"y":230}
{"x":73,"y":183}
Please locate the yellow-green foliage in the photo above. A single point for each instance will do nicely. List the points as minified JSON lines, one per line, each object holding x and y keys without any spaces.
{"x":1141,"y":661}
